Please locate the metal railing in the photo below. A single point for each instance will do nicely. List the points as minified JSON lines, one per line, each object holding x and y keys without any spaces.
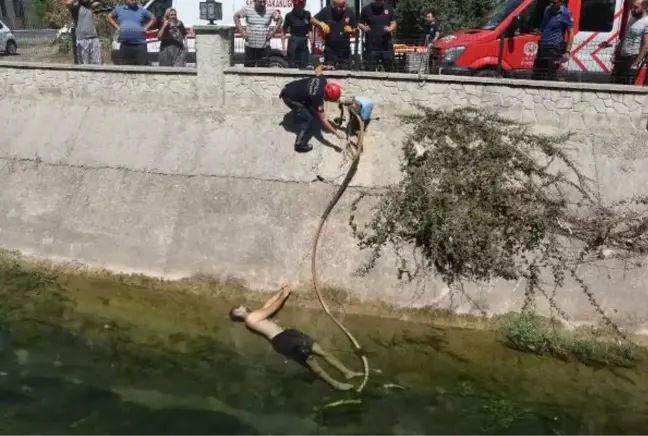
{"x":589,"y":61}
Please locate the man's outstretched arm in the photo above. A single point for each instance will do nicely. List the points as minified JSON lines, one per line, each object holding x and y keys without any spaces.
{"x":275,"y":297}
{"x":270,"y":307}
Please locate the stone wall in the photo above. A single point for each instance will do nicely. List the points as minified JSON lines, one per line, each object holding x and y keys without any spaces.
{"x":102,"y":85}
{"x":173,"y":173}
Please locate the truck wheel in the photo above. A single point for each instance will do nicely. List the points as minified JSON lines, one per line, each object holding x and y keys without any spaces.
{"x":277,"y":62}
{"x":12,"y":48}
{"x":493,"y":74}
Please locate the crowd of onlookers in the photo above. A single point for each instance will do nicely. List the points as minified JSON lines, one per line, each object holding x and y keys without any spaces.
{"x":336,"y":26}
{"x":132,"y":21}
{"x":378,"y":21}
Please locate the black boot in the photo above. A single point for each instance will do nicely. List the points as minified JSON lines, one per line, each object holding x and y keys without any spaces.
{"x":303,"y":148}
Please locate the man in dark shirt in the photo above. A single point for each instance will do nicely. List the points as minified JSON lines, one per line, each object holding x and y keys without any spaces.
{"x":338,"y":24}
{"x":378,"y":22}
{"x":432,"y":34}
{"x":431,"y":29}
{"x":305,"y":96}
{"x":298,"y":24}
{"x":554,"y":47}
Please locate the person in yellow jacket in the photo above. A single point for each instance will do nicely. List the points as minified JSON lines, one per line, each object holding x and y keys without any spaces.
{"x":337,"y":23}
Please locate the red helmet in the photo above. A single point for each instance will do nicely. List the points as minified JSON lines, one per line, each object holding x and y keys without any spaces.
{"x":332,"y":91}
{"x":298,"y":3}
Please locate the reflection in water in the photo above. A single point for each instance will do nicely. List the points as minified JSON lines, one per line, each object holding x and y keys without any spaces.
{"x":130,"y":360}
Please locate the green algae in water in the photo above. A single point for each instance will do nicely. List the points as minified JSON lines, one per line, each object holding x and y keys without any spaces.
{"x":81,"y":356}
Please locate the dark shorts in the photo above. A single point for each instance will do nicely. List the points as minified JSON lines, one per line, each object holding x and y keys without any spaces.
{"x":293,"y":344}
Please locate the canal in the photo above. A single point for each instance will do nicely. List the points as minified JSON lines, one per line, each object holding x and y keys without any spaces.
{"x":93,"y":353}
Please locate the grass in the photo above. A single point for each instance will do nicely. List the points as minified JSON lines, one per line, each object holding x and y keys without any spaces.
{"x":533,"y":334}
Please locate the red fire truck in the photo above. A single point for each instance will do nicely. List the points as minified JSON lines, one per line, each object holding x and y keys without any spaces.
{"x":507,"y":44}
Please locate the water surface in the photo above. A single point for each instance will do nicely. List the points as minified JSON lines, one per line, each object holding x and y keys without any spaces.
{"x":84,"y":355}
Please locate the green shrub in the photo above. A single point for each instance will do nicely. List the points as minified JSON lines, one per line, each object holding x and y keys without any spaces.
{"x":530,"y":333}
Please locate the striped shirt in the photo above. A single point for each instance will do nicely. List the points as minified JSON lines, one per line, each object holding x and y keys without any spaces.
{"x":258,"y":25}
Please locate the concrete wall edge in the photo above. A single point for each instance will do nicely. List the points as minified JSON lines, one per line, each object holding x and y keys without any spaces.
{"x":462,"y":80}
{"x":98,"y":68}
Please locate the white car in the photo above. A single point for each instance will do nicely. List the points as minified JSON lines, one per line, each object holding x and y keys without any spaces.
{"x":8,"y":43}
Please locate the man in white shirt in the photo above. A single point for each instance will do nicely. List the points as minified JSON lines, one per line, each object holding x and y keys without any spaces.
{"x":259,"y":31}
{"x":633,"y":47}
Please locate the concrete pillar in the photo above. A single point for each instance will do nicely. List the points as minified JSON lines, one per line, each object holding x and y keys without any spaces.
{"x":214,"y":53}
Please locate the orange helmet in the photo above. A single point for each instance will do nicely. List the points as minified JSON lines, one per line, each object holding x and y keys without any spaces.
{"x":332,"y":91}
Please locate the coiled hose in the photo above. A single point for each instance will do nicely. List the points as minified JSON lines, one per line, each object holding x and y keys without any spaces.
{"x":345,"y":183}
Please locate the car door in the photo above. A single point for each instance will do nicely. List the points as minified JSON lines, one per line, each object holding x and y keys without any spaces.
{"x":520,"y":49}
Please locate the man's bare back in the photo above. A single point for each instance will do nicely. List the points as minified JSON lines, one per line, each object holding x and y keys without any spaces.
{"x":291,"y":343}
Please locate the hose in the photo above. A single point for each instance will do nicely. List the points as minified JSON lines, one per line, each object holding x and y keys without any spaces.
{"x":345,"y":183}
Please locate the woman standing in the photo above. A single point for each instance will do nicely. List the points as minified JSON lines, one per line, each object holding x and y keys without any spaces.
{"x":172,"y":36}
{"x":298,"y":23}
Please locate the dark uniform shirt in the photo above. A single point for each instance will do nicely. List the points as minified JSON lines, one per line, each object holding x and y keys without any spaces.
{"x":308,"y":91}
{"x":377,"y":18}
{"x":554,"y":26}
{"x":431,"y":30}
{"x":336,"y":21}
{"x":297,"y":22}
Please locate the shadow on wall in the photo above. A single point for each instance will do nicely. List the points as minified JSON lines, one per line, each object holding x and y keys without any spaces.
{"x":289,"y":123}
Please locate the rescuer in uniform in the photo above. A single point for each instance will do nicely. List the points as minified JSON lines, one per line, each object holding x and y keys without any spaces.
{"x":378,"y":22}
{"x":298,"y":24}
{"x":305,"y":97}
{"x":291,"y":343}
{"x":337,"y":23}
{"x":554,"y":47}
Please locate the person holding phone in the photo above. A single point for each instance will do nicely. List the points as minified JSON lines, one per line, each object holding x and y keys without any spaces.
{"x":172,"y":36}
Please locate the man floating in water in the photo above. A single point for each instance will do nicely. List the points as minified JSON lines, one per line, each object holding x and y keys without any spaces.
{"x":290,"y":342}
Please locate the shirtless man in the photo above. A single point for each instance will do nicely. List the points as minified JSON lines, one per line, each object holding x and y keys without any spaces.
{"x":290,"y":342}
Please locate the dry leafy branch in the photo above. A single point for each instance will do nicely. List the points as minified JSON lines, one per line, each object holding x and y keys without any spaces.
{"x":483,"y":197}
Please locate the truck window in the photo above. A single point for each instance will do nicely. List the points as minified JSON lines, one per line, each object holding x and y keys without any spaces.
{"x":499,"y":11}
{"x":538,"y":17}
{"x":597,"y":15}
{"x":527,"y":18}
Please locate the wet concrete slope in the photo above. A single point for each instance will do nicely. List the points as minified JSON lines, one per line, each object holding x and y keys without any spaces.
{"x":179,"y":193}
